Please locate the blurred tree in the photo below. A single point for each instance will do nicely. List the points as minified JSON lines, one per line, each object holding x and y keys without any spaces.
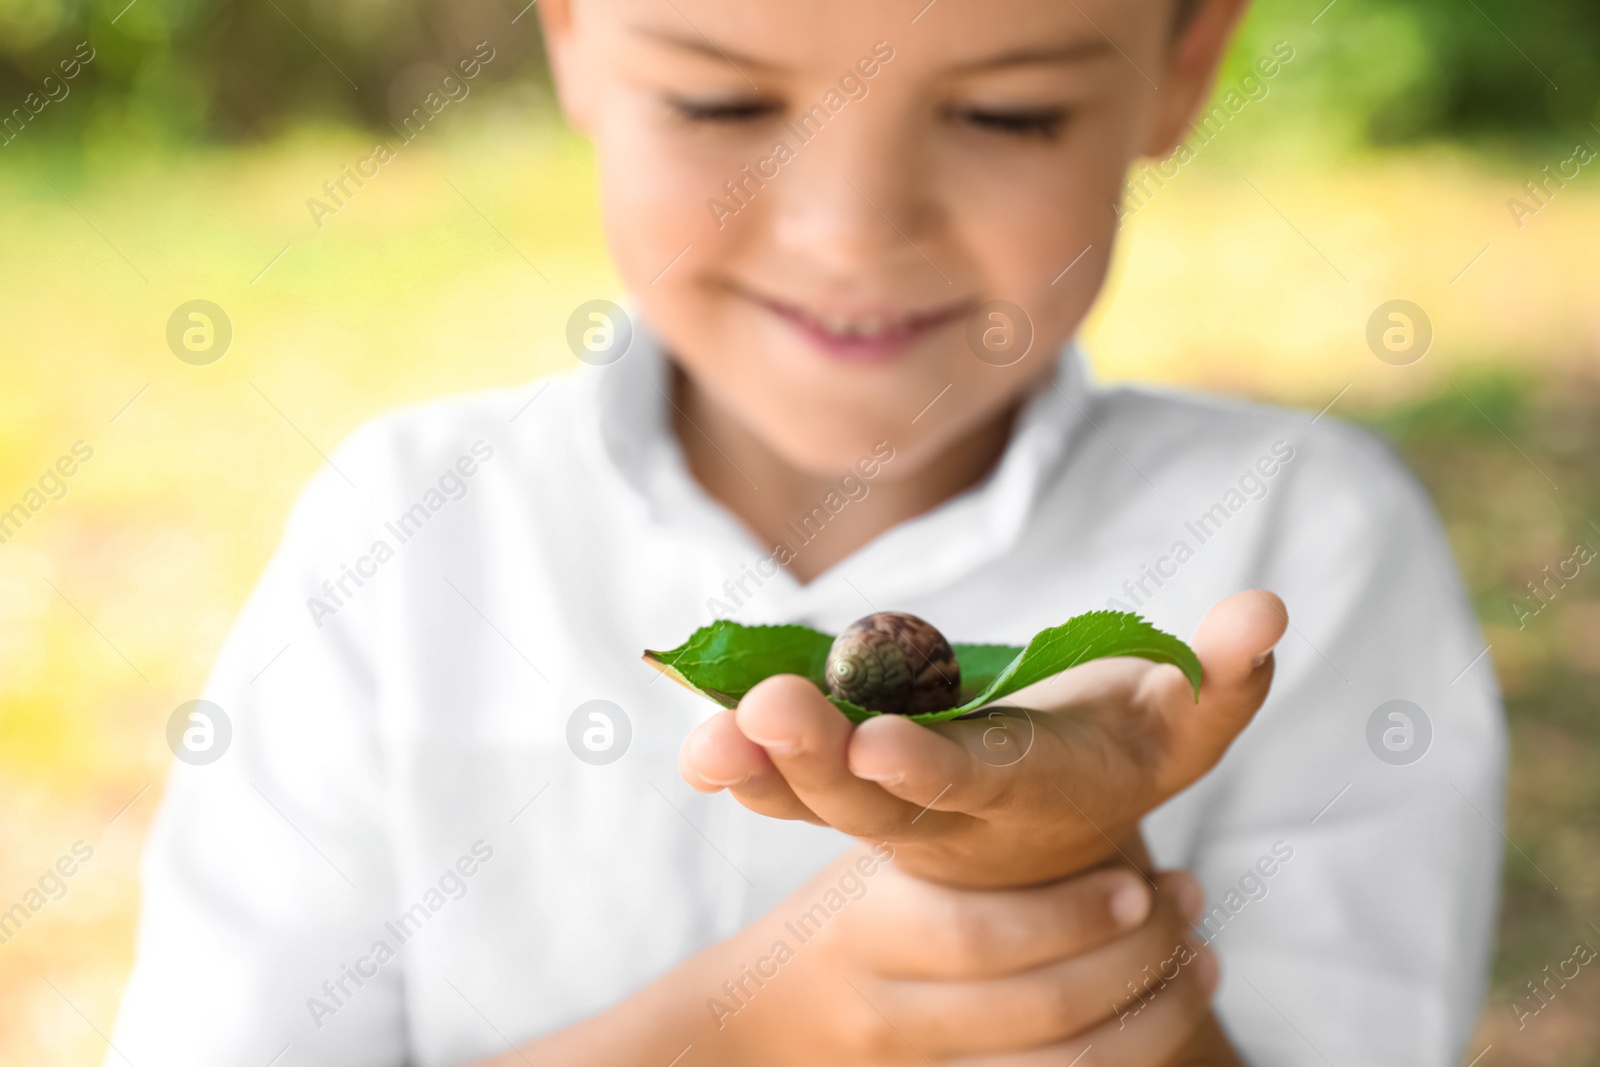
{"x":1406,"y":70}
{"x":246,"y":68}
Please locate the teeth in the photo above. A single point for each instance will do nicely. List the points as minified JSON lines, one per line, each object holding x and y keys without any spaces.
{"x":868,"y":327}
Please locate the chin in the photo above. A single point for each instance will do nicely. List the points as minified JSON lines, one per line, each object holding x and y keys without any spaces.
{"x":841,"y":442}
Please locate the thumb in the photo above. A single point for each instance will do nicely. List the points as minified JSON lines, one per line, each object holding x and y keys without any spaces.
{"x":1234,"y":642}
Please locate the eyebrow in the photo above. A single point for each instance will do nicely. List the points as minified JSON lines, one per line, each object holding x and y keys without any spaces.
{"x":701,"y":45}
{"x":1045,"y":55}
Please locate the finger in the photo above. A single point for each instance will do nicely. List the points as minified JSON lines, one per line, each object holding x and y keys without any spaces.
{"x":1234,"y":643}
{"x":716,"y":756}
{"x":1185,"y":892}
{"x":1151,"y":1028}
{"x":1055,"y":1001}
{"x":968,"y":765}
{"x":806,"y":738}
{"x":963,"y":935}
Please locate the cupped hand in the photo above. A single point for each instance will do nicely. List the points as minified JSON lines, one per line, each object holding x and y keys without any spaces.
{"x":1052,"y":784}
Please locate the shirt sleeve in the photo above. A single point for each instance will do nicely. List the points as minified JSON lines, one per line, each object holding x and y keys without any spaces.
{"x":1349,"y":841}
{"x":267,"y":871}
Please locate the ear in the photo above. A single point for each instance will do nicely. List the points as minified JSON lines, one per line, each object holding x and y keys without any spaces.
{"x":561,"y":44}
{"x":1195,"y":54}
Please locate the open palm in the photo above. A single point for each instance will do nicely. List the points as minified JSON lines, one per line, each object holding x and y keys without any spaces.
{"x":1053,"y":783}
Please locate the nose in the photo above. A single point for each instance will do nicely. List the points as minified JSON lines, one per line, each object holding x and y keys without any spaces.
{"x":858,"y":197}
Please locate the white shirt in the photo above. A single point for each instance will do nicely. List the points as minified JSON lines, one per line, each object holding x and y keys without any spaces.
{"x":399,"y":772}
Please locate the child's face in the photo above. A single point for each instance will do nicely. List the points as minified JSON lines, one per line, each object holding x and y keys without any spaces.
{"x":811,"y":201}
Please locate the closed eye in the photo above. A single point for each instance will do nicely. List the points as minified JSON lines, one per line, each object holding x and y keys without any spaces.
{"x":1040,"y":123}
{"x":727,"y":110}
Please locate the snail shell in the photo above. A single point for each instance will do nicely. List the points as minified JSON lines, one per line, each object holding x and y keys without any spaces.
{"x":894,"y":662}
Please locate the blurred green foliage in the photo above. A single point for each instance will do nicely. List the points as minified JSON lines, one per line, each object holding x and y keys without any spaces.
{"x":186,"y":69}
{"x":1408,"y":70}
{"x":1381,"y":73}
{"x":1459,"y":442}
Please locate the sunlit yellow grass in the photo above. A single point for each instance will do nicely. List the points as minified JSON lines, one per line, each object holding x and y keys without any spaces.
{"x":113,"y":600}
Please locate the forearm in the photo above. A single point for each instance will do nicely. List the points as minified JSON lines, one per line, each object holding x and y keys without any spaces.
{"x":658,"y":1024}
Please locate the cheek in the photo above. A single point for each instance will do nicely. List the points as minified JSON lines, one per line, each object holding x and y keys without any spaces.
{"x":663,"y":236}
{"x":650,"y":221}
{"x":1040,"y":235}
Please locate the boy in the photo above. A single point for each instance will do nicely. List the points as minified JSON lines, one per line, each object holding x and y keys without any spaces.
{"x":448,"y":826}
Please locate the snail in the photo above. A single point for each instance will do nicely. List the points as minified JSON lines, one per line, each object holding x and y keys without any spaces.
{"x":896,"y":663}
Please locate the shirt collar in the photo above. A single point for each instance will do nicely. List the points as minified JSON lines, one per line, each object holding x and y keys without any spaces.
{"x":635,"y":444}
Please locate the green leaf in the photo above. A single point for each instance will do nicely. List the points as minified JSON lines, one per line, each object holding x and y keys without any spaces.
{"x":1097,"y":635}
{"x":725,"y":660}
{"x":981,"y":665}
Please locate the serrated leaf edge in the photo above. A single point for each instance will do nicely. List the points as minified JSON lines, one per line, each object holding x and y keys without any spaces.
{"x":995,"y":690}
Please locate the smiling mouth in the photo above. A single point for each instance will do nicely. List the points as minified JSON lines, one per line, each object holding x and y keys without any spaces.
{"x":867,"y":334}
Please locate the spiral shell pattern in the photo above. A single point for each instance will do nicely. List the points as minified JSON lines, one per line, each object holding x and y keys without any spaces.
{"x":896,"y":663}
